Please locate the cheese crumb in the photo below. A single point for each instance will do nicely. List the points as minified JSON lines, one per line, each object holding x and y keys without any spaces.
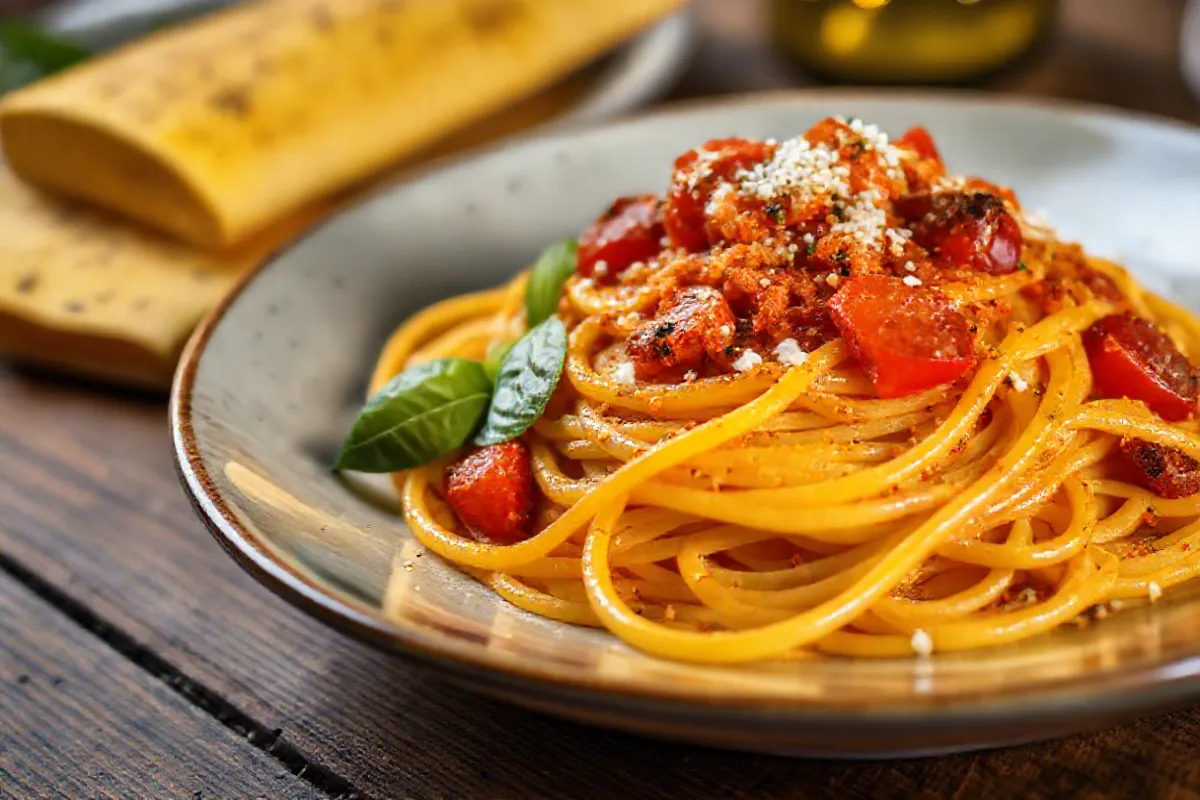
{"x":832,"y":279}
{"x":1018,"y":383}
{"x":600,"y":267}
{"x":1155,"y":591}
{"x":922,"y":645}
{"x":912,"y":280}
{"x":793,"y":248}
{"x":725,"y":330}
{"x":788,"y":352}
{"x":748,"y":360}
{"x":910,"y":266}
{"x":1116,"y":605}
{"x":808,"y":238}
{"x":764,"y":282}
{"x":624,"y":373}
{"x":664,"y":242}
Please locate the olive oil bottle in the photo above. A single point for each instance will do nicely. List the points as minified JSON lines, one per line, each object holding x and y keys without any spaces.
{"x":908,"y":41}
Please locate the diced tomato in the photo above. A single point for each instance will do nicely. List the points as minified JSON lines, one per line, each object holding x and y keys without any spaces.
{"x":907,"y":339}
{"x":691,"y":323}
{"x":968,"y":229}
{"x":1132,"y":358}
{"x":1165,"y":471}
{"x":918,"y":140}
{"x":631,"y":230}
{"x":697,"y":174}
{"x":491,"y":491}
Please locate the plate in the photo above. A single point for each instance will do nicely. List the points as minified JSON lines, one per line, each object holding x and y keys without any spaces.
{"x":271,"y":381}
{"x":628,"y":77}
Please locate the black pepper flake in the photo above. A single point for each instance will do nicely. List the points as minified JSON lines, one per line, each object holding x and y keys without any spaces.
{"x":776,"y":212}
{"x":841,"y":257}
{"x":729,"y":351}
{"x":664,"y":330}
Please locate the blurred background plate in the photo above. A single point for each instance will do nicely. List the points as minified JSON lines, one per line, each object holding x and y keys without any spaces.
{"x":631,"y":76}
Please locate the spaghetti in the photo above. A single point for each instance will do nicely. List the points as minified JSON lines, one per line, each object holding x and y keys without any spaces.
{"x":824,"y":396}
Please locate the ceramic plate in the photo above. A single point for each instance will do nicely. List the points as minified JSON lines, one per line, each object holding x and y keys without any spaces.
{"x":271,"y":382}
{"x":622,"y":80}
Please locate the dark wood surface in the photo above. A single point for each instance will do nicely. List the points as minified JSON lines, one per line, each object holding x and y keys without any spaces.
{"x":178,"y":674}
{"x":81,"y":719}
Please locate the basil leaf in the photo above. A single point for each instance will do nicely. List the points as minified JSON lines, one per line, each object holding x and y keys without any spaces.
{"x":421,"y":414}
{"x":546,"y":280}
{"x":528,"y":375}
{"x":29,"y":53}
{"x":495,"y":357}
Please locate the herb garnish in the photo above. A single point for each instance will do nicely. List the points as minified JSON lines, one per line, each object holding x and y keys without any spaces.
{"x":430,"y":410}
{"x":28,"y":53}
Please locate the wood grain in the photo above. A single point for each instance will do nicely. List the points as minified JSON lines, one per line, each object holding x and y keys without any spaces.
{"x":80,"y":720}
{"x":89,"y":503}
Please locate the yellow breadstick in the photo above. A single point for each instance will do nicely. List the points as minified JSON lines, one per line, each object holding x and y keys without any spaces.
{"x":213,"y":130}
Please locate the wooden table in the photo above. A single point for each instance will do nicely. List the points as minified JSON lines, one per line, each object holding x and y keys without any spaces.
{"x":137,"y":660}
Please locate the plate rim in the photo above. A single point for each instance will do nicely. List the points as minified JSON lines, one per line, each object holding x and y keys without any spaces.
{"x":1160,"y":684}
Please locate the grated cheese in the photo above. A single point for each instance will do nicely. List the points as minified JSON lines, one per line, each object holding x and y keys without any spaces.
{"x":624,"y":373}
{"x":1155,"y":591}
{"x":922,"y":644}
{"x":1019,"y":384}
{"x":788,"y":352}
{"x":725,"y":331}
{"x":833,"y":279}
{"x":747,"y":360}
{"x":910,"y":266}
{"x":912,"y":280}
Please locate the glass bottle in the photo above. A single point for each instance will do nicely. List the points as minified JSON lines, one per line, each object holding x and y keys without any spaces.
{"x":908,"y":41}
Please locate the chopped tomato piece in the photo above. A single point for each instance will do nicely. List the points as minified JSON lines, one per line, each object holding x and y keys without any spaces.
{"x":1132,"y":358}
{"x":918,"y":140}
{"x":631,"y":230}
{"x":1165,"y":471}
{"x":697,"y":175}
{"x":692,"y":323}
{"x":907,"y":339}
{"x":968,"y":229}
{"x":491,"y":491}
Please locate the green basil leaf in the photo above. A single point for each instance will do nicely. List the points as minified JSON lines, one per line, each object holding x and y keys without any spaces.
{"x":495,"y":356}
{"x":546,"y":281}
{"x":421,"y":414}
{"x":29,"y":53}
{"x":528,"y":375}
